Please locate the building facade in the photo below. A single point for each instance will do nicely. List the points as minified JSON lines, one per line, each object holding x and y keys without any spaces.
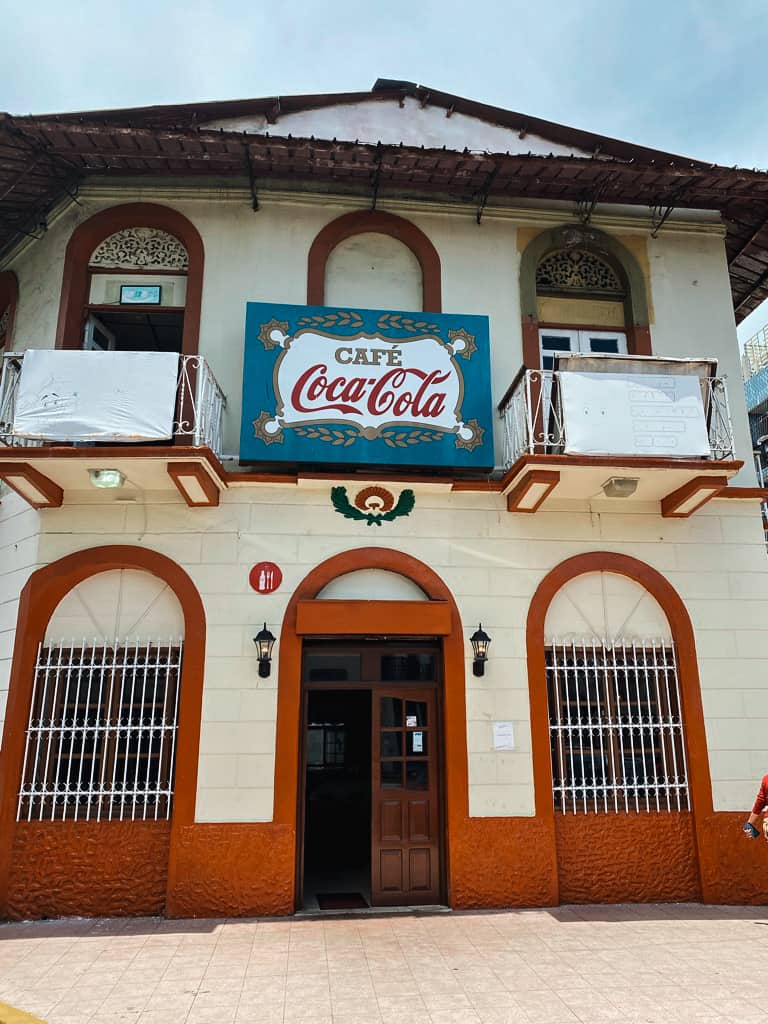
{"x":410,"y":342}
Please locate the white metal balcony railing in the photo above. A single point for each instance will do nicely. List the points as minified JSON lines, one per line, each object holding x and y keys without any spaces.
{"x":198,"y":416}
{"x":534,"y":423}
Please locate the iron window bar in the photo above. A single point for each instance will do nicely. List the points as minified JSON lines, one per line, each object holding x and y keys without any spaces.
{"x":101,"y":736}
{"x":616,"y":731}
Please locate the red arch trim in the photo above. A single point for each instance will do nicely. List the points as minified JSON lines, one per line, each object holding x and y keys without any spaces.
{"x":289,"y":683}
{"x":9,"y":298}
{"x":688,"y":671}
{"x":359,"y":222}
{"x":39,"y":598}
{"x":85,"y":238}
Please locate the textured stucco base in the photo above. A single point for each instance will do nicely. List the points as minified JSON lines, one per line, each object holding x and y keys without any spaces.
{"x":88,"y":869}
{"x":236,"y":870}
{"x":502,"y":862}
{"x":626,"y":858}
{"x":232,"y":871}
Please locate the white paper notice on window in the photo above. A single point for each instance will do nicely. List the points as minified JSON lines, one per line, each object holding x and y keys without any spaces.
{"x":503,"y":736}
{"x":96,"y":396}
{"x":633,"y":414}
{"x":418,"y":743}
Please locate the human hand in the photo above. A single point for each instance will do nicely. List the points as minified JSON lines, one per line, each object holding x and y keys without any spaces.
{"x":750,"y":831}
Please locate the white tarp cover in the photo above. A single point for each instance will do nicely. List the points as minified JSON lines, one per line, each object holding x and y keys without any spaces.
{"x":633,"y":414}
{"x":96,"y":396}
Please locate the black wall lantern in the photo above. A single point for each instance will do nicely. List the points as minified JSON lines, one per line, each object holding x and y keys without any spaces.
{"x":480,"y":642}
{"x":264,"y":643}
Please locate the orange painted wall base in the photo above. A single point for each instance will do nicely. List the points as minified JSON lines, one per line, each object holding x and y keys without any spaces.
{"x":627,"y":858}
{"x":237,"y":870}
{"x":232,"y":871}
{"x":88,"y":869}
{"x":502,"y":862}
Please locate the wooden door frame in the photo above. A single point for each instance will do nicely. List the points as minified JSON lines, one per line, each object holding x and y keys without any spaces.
{"x":443,"y":621}
{"x":370,"y":686}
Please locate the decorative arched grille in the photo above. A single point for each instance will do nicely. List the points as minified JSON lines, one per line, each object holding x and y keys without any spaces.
{"x":577,"y":270}
{"x":139,"y":249}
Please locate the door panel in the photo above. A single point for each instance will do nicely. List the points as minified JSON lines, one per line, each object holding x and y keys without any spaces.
{"x":420,"y":865}
{"x":418,"y":821}
{"x":406,"y":841}
{"x":391,"y":821}
{"x":390,"y":874}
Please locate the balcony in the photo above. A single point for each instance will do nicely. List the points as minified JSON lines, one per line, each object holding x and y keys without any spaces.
{"x":42,"y":465}
{"x":594,"y":419}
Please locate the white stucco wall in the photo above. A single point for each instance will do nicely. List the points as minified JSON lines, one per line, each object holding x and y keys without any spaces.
{"x":373,"y":271}
{"x":492,"y":561}
{"x":394,"y":121}
{"x":263,"y":257}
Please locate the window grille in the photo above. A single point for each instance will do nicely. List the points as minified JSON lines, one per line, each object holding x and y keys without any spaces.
{"x":139,"y":249}
{"x":101,"y":738}
{"x":577,"y":270}
{"x":616,"y":733}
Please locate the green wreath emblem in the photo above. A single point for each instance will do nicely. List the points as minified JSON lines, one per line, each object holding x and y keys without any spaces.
{"x":344,"y":507}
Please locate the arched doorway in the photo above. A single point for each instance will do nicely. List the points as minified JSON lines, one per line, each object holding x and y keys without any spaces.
{"x":410,"y":630}
{"x":619,"y":748}
{"x":99,"y":765}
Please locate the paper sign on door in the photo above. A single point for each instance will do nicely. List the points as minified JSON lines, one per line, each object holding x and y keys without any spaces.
{"x":418,"y":743}
{"x":411,"y":721}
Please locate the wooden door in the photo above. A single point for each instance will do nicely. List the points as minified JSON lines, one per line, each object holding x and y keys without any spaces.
{"x":405,"y":837}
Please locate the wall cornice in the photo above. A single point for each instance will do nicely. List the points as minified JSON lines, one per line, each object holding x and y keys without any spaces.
{"x":524,"y":214}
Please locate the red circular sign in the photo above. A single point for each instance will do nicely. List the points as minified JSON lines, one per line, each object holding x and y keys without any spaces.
{"x":265,"y":577}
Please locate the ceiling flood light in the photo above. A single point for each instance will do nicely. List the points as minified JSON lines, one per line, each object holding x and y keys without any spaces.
{"x":620,"y":486}
{"x":106,"y":477}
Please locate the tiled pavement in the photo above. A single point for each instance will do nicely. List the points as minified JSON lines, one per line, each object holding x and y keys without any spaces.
{"x":653,"y":964}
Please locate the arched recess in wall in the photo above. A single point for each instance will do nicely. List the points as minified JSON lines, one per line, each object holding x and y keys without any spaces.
{"x":47,"y":592}
{"x":9,"y":298}
{"x":552,"y":285}
{"x":377,"y":223}
{"x":311,"y":590}
{"x":671,"y":849}
{"x":163,"y":223}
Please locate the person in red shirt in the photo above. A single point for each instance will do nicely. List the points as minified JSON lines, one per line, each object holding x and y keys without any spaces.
{"x":761,"y":804}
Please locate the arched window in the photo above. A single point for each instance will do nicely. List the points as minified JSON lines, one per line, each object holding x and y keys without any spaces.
{"x":133,"y":280}
{"x":373,"y":271}
{"x":379,"y":258}
{"x":615,"y":719}
{"x":581,"y":291}
{"x":137,"y":292}
{"x":102,"y":729}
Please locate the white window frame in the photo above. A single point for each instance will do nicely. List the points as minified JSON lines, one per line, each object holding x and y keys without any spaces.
{"x":90,"y":344}
{"x":579,"y":340}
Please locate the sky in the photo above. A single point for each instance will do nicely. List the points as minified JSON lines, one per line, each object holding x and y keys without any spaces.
{"x":684,"y":76}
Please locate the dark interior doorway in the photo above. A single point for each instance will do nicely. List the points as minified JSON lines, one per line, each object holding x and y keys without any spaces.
{"x":132,"y":330}
{"x":337,"y":830}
